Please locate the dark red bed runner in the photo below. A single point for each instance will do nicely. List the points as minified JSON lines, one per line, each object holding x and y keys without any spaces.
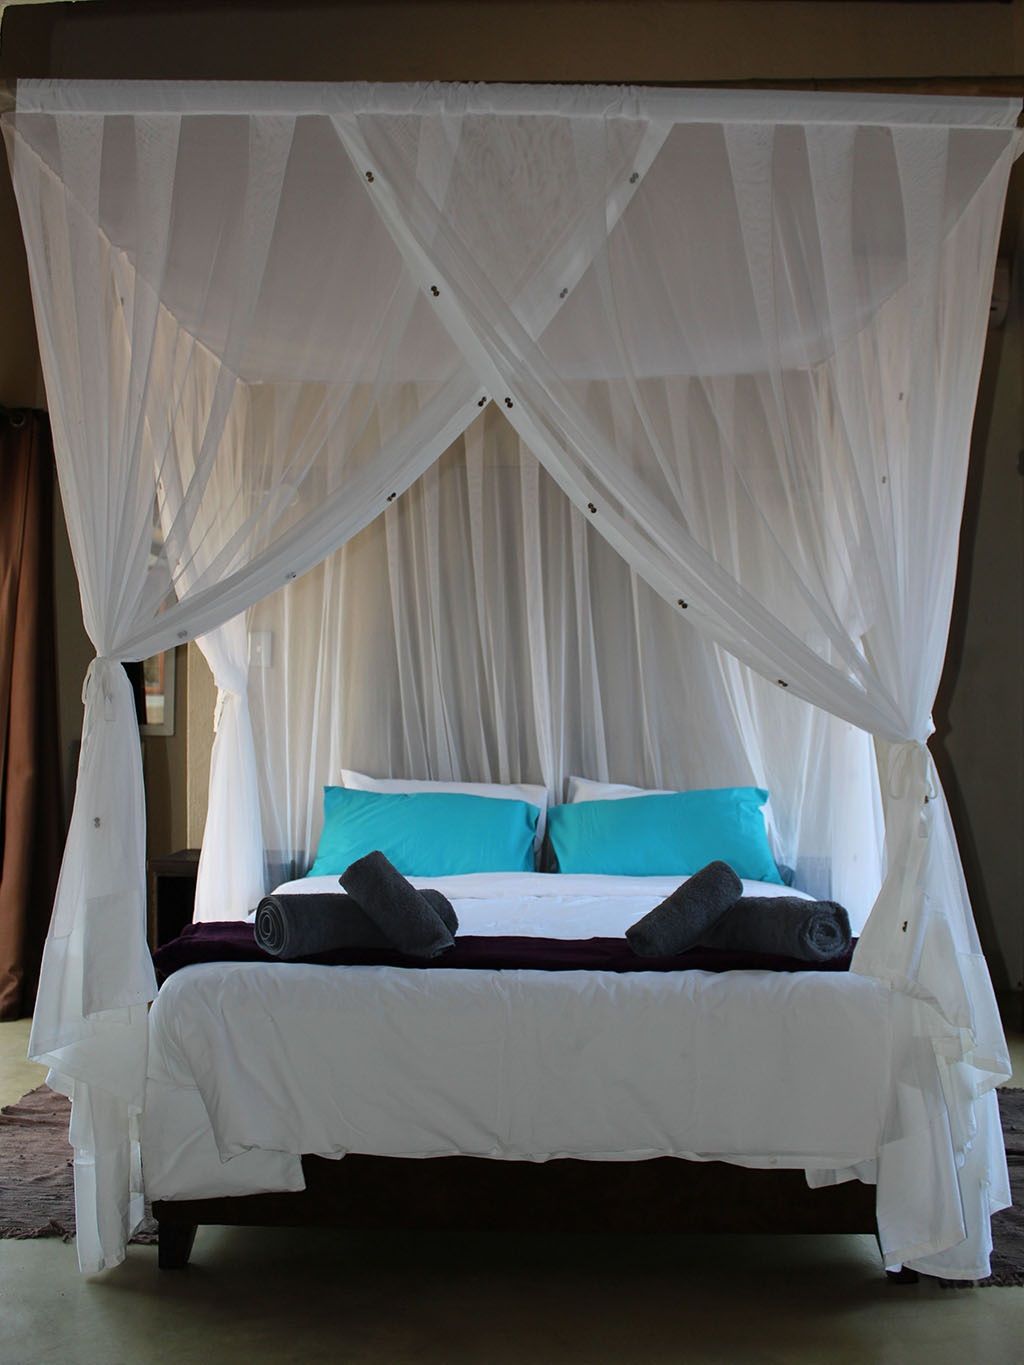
{"x":235,"y":941}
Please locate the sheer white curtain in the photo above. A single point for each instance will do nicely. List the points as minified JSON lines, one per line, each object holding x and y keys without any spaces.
{"x":232,"y":853}
{"x":796,"y":348}
{"x":483,"y":630}
{"x":158,"y":244}
{"x":741,"y":331}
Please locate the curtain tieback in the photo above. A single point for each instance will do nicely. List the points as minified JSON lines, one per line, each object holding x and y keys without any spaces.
{"x":102,"y":673}
{"x":224,"y":695}
{"x":910,"y":777}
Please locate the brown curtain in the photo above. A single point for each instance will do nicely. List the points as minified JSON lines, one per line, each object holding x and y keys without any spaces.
{"x":31,"y":814}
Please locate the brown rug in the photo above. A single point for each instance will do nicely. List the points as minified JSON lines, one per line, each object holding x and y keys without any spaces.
{"x":1008,"y":1226}
{"x":37,"y":1184}
{"x":37,"y":1196}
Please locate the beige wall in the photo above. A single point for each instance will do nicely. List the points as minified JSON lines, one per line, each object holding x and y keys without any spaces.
{"x":979,"y":717}
{"x":165,"y":764}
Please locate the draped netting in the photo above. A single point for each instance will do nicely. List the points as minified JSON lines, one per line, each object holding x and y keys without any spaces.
{"x":482,"y":626}
{"x":741,"y":332}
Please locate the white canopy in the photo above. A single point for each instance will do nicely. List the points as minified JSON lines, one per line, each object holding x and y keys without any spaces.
{"x":482,"y":627}
{"x":742,"y":332}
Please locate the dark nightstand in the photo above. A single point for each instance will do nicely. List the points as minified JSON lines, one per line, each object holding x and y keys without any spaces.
{"x":172,"y":882}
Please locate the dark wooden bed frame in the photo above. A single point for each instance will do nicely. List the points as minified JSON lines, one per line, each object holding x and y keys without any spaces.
{"x":459,"y":1193}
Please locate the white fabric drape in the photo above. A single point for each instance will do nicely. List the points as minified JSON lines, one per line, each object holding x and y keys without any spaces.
{"x":741,"y":331}
{"x":836,"y":415}
{"x":231,"y":860}
{"x":192,"y":485}
{"x":483,"y":630}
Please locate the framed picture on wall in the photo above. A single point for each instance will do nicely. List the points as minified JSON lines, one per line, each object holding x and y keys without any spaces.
{"x":158,"y":694}
{"x":155,"y":700}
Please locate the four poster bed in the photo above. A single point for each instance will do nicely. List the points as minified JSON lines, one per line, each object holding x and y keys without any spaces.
{"x":506,"y":433}
{"x":729,"y":1060}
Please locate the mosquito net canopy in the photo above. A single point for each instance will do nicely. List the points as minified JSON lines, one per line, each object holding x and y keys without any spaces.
{"x":738,"y":334}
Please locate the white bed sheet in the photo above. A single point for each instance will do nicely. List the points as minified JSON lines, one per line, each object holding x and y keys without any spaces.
{"x":253,"y":1064}
{"x":546,"y":904}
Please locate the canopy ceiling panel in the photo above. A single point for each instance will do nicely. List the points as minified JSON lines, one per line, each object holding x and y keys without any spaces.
{"x":515,"y":191}
{"x":712,"y":277}
{"x":742,"y":332}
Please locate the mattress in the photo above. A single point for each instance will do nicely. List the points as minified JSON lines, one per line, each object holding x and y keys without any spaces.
{"x":254,"y":1064}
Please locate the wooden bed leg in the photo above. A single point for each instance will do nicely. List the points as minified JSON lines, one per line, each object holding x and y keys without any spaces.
{"x":174,"y":1245}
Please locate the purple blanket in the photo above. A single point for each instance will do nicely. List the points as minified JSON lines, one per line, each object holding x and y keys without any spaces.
{"x":235,"y":941}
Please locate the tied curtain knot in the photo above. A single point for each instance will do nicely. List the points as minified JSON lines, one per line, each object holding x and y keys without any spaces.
{"x":911,"y":778}
{"x":225,"y":696}
{"x":102,"y":679}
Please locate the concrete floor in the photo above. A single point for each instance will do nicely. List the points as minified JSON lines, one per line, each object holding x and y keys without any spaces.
{"x":259,"y":1295}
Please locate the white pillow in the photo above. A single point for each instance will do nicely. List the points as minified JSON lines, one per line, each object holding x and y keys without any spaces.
{"x":533,"y":796}
{"x":582,"y":789}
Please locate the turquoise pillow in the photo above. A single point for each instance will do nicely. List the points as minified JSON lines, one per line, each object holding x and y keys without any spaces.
{"x":425,"y":834}
{"x":665,"y":836}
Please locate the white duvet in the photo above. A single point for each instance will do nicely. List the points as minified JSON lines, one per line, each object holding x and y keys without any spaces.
{"x":252,"y":1065}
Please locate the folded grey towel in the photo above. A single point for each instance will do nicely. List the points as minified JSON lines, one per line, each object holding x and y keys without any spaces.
{"x":784,"y":926}
{"x":443,"y":906}
{"x":298,"y":926}
{"x":682,"y":919}
{"x":408,"y":919}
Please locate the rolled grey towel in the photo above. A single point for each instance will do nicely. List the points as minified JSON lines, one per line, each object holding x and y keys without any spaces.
{"x":444,"y":908}
{"x":784,"y":927}
{"x":298,"y":926}
{"x":398,"y":910}
{"x":682,"y":919}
